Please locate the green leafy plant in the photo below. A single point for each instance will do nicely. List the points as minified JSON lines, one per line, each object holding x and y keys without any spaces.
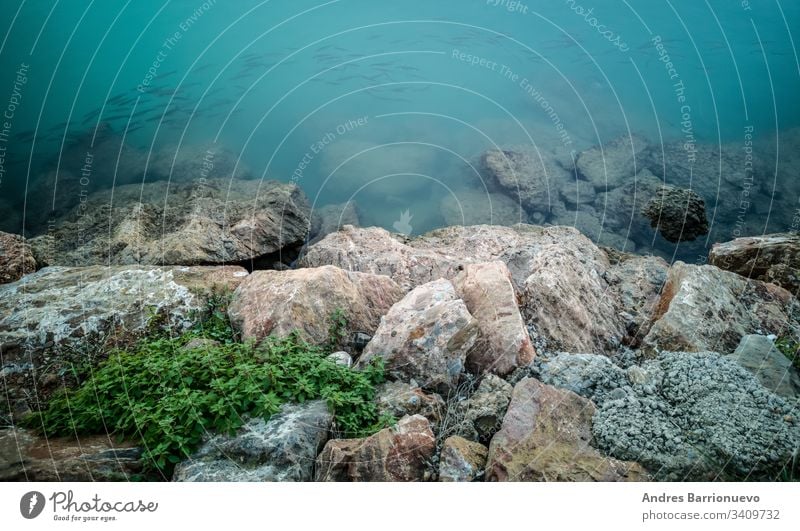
{"x":790,"y":348}
{"x":337,"y":329}
{"x":168,"y":396}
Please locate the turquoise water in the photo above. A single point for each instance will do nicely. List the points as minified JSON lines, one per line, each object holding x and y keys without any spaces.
{"x":391,"y":104}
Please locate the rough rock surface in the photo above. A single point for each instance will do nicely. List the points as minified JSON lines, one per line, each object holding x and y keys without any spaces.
{"x":635,"y":285}
{"x":610,"y":165}
{"x":60,"y":316}
{"x":279,"y":302}
{"x":400,"y":399}
{"x":703,"y":308}
{"x":479,"y":417}
{"x":162,"y":223}
{"x":26,"y":457}
{"x":475,"y":207}
{"x":771,"y":367}
{"x":588,"y":375}
{"x":425,"y":337}
{"x":679,"y":214}
{"x":621,"y":208}
{"x":529,"y":177}
{"x":284,"y":448}
{"x":399,"y":453}
{"x":16,"y":258}
{"x":331,"y":218}
{"x":504,"y":344}
{"x":462,"y":460}
{"x":546,"y":436}
{"x":701,"y":417}
{"x":578,"y":192}
{"x":772,"y":258}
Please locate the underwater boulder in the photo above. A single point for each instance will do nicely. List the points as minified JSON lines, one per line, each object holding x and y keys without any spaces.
{"x":331,"y":218}
{"x":614,"y":163}
{"x":679,"y":214}
{"x":476,"y":207}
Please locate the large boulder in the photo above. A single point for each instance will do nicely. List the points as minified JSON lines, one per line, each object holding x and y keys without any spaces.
{"x":773,"y":369}
{"x":701,"y":417}
{"x":60,"y":316}
{"x":27,"y":457}
{"x":400,"y":453}
{"x":305,"y":300}
{"x":547,"y":436}
{"x":16,"y":258}
{"x":772,"y":258}
{"x":283,"y":448}
{"x":504,"y":344}
{"x":635,"y":284}
{"x":703,"y":308}
{"x":462,"y":460}
{"x":425,"y":337}
{"x":679,"y":214}
{"x":162,"y":223}
{"x":612,"y":164}
{"x":530,"y":177}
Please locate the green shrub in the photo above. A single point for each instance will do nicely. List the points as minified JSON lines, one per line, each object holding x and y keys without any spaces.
{"x":168,"y":396}
{"x":790,"y":348}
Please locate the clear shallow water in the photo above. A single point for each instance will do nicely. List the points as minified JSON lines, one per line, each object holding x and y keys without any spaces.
{"x":391,"y":105}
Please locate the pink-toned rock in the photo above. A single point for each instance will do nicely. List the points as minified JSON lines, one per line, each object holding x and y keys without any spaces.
{"x":399,"y":453}
{"x":16,"y":258}
{"x":504,"y":344}
{"x":425,"y":337}
{"x":279,"y":302}
{"x":546,"y":436}
{"x":462,"y":460}
{"x":703,"y":308}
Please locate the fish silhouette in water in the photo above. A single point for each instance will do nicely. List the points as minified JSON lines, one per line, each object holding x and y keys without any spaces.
{"x":403,"y":225}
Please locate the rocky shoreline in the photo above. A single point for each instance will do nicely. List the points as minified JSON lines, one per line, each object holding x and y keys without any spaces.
{"x":519,"y":353}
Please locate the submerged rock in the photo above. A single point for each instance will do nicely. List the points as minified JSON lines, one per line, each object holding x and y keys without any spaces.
{"x":612,"y":164}
{"x":703,"y":308}
{"x":679,"y":214}
{"x":547,"y":435}
{"x":476,"y":207}
{"x":425,"y":337}
{"x":16,"y":258}
{"x":162,"y":223}
{"x":331,"y":218}
{"x":283,"y":448}
{"x":305,"y":300}
{"x":400,"y":453}
{"x":772,"y":258}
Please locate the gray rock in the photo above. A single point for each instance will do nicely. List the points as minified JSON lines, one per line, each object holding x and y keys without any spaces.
{"x":479,"y":417}
{"x":709,"y":419}
{"x":477,"y":207}
{"x":331,"y":218}
{"x":773,"y":369}
{"x":400,"y":399}
{"x":341,"y":358}
{"x":462,"y":460}
{"x":426,"y":337}
{"x":578,"y":192}
{"x":283,"y":448}
{"x":679,"y":214}
{"x":636,"y":284}
{"x":588,"y":375}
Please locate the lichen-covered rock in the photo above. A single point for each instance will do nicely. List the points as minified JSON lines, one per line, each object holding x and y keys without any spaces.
{"x":16,"y":258}
{"x":400,"y":399}
{"x":479,"y":417}
{"x":531,"y":177}
{"x":589,"y":375}
{"x":162,"y":223}
{"x":283,"y":448}
{"x":425,"y":337}
{"x":703,"y":308}
{"x":462,"y":460}
{"x":27,"y":457}
{"x":612,"y":164}
{"x":477,"y":207}
{"x":707,"y":418}
{"x":304,"y":300}
{"x":400,"y":453}
{"x":546,"y":436}
{"x":331,"y":218}
{"x":771,"y":367}
{"x":679,"y":214}
{"x":504,"y":344}
{"x":772,"y":258}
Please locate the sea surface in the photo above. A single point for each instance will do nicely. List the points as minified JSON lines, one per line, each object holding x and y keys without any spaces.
{"x":390,"y":104}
